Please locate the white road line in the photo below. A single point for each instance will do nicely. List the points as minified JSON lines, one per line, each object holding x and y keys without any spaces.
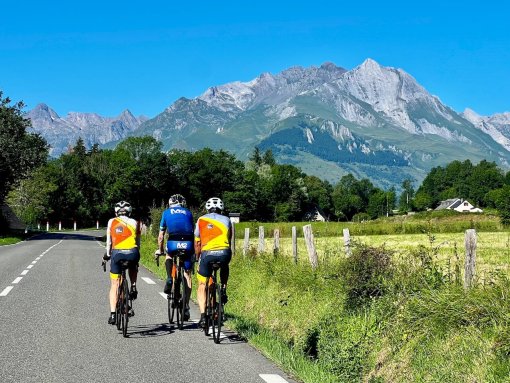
{"x":17,"y":280}
{"x":6,"y":291}
{"x":272,"y":378}
{"x":34,"y":262}
{"x":30,"y":266}
{"x":24,"y":272}
{"x":148,"y":281}
{"x":163,"y":295}
{"x":38,"y":258}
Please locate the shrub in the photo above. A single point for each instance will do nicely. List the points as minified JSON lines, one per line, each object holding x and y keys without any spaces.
{"x":367,"y":274}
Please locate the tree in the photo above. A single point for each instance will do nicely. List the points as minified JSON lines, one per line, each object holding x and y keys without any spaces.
{"x":31,"y":198}
{"x":138,"y":147}
{"x":256,"y":157}
{"x":406,"y":197}
{"x":20,"y":152}
{"x":268,"y":158}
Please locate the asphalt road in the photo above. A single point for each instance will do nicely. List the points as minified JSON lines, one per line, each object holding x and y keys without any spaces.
{"x":53,"y":313}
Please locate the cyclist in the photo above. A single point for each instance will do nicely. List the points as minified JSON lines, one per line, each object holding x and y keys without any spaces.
{"x":213,"y":235}
{"x":122,"y":243}
{"x":177,"y":221}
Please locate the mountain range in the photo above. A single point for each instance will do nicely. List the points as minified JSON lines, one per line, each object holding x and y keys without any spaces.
{"x":372,"y":121}
{"x":62,"y":133}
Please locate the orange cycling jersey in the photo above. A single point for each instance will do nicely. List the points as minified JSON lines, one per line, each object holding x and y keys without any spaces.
{"x":213,"y":232}
{"x":123,"y":233}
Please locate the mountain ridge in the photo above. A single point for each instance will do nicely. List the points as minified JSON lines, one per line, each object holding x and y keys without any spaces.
{"x":373,"y":112}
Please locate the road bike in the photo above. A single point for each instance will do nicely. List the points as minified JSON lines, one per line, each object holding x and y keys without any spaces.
{"x":124,"y":301}
{"x":213,"y":304}
{"x":177,"y":298}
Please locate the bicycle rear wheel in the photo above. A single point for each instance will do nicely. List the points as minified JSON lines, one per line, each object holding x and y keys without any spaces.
{"x":118,"y":310}
{"x":217,"y":314}
{"x":208,"y":307}
{"x":125,"y":307}
{"x":180,"y":292}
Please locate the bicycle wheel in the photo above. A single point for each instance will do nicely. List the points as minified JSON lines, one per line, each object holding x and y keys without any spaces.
{"x":118,"y":311}
{"x":208,"y":309}
{"x":180,"y":300}
{"x":170,"y":300}
{"x":218,"y":314}
{"x":184,"y":296}
{"x":125,"y":307}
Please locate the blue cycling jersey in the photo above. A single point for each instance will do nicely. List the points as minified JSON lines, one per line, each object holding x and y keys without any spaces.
{"x":177,"y":220}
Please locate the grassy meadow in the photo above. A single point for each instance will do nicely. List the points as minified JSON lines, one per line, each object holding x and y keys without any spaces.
{"x":394,"y":311}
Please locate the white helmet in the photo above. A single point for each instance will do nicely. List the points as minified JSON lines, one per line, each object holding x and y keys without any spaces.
{"x":214,"y":203}
{"x":122,"y":208}
{"x":177,"y":200}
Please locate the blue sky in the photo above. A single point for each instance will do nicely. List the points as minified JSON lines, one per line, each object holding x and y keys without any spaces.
{"x":107,"y":56}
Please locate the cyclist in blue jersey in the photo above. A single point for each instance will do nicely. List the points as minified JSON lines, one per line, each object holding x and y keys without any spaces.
{"x":177,"y":222}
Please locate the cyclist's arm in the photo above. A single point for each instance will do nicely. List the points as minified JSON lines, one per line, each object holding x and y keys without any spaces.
{"x":161,"y":240}
{"x":138,"y":233}
{"x":230,"y":232}
{"x":109,"y":239}
{"x":198,"y":244}
{"x":162,"y":230}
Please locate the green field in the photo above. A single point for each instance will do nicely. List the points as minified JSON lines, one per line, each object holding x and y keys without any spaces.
{"x":394,"y":311}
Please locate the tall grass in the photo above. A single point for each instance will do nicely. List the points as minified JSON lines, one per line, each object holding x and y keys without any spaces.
{"x":394,"y":311}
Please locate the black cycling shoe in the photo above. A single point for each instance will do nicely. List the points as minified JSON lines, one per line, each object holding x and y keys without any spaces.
{"x":224,"y":297}
{"x":111,"y":319}
{"x":133,"y":294}
{"x":186,"y":314}
{"x":201,"y":322}
{"x":131,"y":312}
{"x":168,"y":286}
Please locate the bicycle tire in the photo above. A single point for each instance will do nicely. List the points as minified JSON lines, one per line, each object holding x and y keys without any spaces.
{"x":217,"y":315}
{"x":170,"y":300}
{"x":184,"y":286}
{"x":180,"y":300}
{"x":208,"y":312}
{"x":125,"y":308}
{"x":118,"y":310}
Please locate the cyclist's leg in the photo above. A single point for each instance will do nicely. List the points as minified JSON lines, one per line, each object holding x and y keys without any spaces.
{"x":170,"y":247}
{"x":204,"y":271}
{"x":188,"y":266}
{"x":114,"y":286}
{"x":224,"y":274}
{"x":133,"y":273}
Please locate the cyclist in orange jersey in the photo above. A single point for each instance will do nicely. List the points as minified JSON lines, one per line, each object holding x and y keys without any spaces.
{"x":213,"y":235}
{"x":122,"y":243}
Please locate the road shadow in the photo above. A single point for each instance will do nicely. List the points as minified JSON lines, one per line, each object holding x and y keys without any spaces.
{"x":92,"y":236}
{"x":150,"y":330}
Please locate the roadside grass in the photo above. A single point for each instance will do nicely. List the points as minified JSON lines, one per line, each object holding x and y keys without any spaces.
{"x":10,"y":240}
{"x":394,"y":311}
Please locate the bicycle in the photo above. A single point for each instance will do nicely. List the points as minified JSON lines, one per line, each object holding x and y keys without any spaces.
{"x":213,"y":305}
{"x":177,"y":297}
{"x":124,"y":302}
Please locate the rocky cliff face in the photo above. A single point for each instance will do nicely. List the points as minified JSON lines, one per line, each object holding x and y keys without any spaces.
{"x":372,"y":121}
{"x":62,"y":133}
{"x":380,"y":123}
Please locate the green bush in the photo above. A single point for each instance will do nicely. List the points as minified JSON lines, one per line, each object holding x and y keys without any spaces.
{"x":367,"y":274}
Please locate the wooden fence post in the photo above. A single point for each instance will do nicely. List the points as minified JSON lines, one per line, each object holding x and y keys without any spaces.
{"x":310,"y":246}
{"x":347,"y":242}
{"x":262,"y":245}
{"x":294,"y":244}
{"x":276,"y":247}
{"x":470,"y":263}
{"x":233,"y":243}
{"x":246,"y":240}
